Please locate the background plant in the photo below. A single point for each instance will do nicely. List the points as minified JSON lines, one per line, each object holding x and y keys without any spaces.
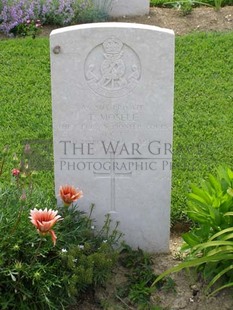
{"x":15,"y":14}
{"x":90,"y":11}
{"x":34,"y":274}
{"x":210,"y":242}
{"x":103,"y":5}
{"x":185,"y":6}
{"x":218,"y":4}
{"x":30,"y":28}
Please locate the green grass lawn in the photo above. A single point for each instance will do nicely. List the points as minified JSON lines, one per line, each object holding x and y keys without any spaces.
{"x":203,"y":114}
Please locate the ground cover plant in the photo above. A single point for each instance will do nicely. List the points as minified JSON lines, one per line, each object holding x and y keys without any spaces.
{"x":49,"y":255}
{"x":202,"y":127}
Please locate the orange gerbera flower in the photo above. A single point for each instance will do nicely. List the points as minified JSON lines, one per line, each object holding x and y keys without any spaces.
{"x":69,"y":194}
{"x":44,"y":220}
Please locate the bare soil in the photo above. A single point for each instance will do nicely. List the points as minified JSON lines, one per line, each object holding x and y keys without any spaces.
{"x":200,"y":19}
{"x":188,"y":292}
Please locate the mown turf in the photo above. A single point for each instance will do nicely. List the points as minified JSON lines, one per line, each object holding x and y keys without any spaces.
{"x":25,"y":99}
{"x":203,"y":113}
{"x":203,"y":119}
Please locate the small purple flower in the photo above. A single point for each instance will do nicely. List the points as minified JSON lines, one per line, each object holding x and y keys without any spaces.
{"x":17,"y":12}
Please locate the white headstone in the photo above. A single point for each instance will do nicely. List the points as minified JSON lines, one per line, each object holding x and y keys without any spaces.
{"x":112,"y":93}
{"x":118,"y":8}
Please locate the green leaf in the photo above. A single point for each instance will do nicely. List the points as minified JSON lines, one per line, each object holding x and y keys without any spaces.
{"x":230,"y":174}
{"x":218,"y":234}
{"x":224,"y":174}
{"x":212,"y":212}
{"x":225,"y":185}
{"x":221,"y":288}
{"x":227,"y":237}
{"x":228,"y":214}
{"x":215,"y":184}
{"x":226,"y":205}
{"x":223,"y":250}
{"x":197,"y":207}
{"x":193,"y":263}
{"x":200,"y":194}
{"x":196,"y":216}
{"x":208,"y":244}
{"x":230,"y":191}
{"x":190,"y":239}
{"x":219,"y":276}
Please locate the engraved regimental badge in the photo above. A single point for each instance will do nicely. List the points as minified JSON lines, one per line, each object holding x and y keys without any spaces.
{"x":112,"y":68}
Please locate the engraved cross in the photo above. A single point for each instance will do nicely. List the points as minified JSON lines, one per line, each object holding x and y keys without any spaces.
{"x":112,"y":175}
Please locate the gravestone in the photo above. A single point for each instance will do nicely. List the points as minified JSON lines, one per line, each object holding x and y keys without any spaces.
{"x":112,"y":93}
{"x":118,"y":8}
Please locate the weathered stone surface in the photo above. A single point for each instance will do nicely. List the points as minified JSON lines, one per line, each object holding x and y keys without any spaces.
{"x":112,"y":91}
{"x":129,"y":7}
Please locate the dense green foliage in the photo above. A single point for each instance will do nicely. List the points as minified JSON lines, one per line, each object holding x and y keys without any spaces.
{"x":210,"y":242}
{"x":202,"y":113}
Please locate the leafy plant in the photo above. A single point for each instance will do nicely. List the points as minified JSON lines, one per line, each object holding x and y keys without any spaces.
{"x":40,"y":272}
{"x":218,"y":4}
{"x":30,"y":28}
{"x":140,"y":276}
{"x":185,"y":6}
{"x":210,"y":242}
{"x":90,"y":11}
{"x":103,"y":5}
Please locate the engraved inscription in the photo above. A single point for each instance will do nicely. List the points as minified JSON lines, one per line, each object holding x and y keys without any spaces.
{"x":112,"y":69}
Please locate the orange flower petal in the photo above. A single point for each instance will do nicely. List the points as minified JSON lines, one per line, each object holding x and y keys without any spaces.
{"x":54,"y":237}
{"x":44,"y":220}
{"x":69,"y":194}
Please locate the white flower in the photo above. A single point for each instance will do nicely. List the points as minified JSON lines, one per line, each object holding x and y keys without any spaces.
{"x":81,"y":246}
{"x":64,"y":250}
{"x":92,"y":227}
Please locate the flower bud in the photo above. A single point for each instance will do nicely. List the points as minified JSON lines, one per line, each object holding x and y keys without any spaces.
{"x":15,"y":172}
